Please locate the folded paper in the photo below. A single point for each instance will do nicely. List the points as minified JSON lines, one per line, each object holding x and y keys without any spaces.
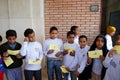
{"x":8,"y":61}
{"x":63,"y":69}
{"x":69,"y":49}
{"x":117,"y":48}
{"x":13,"y":52}
{"x":54,"y":47}
{"x":95,"y":54}
{"x":31,"y":61}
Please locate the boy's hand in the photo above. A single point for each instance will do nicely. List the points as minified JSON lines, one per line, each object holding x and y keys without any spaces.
{"x":58,"y":54}
{"x":101,"y":57}
{"x":111,"y":53}
{"x":18,"y":56}
{"x":26,"y":39}
{"x":65,"y":52}
{"x":72,"y":53}
{"x":67,"y":68}
{"x":76,"y":73}
{"x":50,"y":51}
{"x":5,"y":54}
{"x":89,"y":60}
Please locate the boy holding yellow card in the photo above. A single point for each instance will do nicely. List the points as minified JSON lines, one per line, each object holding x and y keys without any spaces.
{"x":112,"y":62}
{"x":12,"y":63}
{"x":32,"y":50}
{"x":69,"y":52}
{"x":53,"y":48}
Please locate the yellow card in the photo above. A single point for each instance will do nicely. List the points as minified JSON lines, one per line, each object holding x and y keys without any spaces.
{"x":13,"y":52}
{"x":95,"y":54}
{"x":54,"y":47}
{"x":8,"y":61}
{"x":63,"y":69}
{"x":31,"y":61}
{"x":117,"y":48}
{"x":69,"y":49}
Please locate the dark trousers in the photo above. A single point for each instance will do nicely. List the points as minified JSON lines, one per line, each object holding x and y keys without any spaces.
{"x":29,"y":74}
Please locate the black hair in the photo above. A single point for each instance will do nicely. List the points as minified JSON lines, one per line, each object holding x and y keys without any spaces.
{"x":53,"y":28}
{"x":11,"y":33}
{"x":0,"y":38}
{"x":73,"y":28}
{"x":28,"y":31}
{"x":83,"y":36}
{"x":116,"y":37}
{"x":104,"y":48}
{"x":70,"y":32}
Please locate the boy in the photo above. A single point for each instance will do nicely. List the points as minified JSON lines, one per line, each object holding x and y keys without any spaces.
{"x":76,"y":30}
{"x":1,"y":64}
{"x":80,"y":58}
{"x":112,"y":62}
{"x":13,"y":70}
{"x":53,"y":50}
{"x":70,"y":48}
{"x":32,"y":50}
{"x":109,"y":33}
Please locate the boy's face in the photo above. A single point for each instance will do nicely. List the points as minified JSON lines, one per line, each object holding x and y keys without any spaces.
{"x":53,"y":34}
{"x":118,"y":40}
{"x":112,"y":34}
{"x":76,"y":31}
{"x":82,"y":42}
{"x":11,"y":39}
{"x":31,"y":37}
{"x":71,"y":38}
{"x":100,"y":43}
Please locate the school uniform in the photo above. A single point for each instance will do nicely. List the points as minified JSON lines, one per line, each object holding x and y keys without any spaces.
{"x":113,"y":67}
{"x":68,"y":59}
{"x":32,"y":51}
{"x":53,"y":62}
{"x":80,"y":60}
{"x":76,"y":39}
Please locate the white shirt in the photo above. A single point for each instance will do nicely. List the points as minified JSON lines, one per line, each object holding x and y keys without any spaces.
{"x":113,"y":67}
{"x":46,"y":47}
{"x":68,"y":59}
{"x":97,"y":66}
{"x":31,"y":51}
{"x":109,"y":42}
{"x":76,"y":39}
{"x":80,"y":59}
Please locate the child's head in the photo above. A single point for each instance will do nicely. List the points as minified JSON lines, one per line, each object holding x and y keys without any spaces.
{"x":100,"y":42}
{"x":111,"y":30}
{"x":82,"y":41}
{"x":53,"y":32}
{"x":0,"y":39}
{"x":117,"y":41}
{"x":70,"y":36}
{"x":29,"y":33}
{"x":11,"y":36}
{"x":75,"y":29}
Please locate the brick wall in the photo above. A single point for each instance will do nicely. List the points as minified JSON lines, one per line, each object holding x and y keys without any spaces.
{"x":65,"y":13}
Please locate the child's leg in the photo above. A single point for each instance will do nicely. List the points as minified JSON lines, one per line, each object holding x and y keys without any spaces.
{"x":57,"y":70}
{"x":18,"y":72}
{"x":10,"y":74}
{"x":73,"y":77}
{"x":65,"y":76}
{"x":50,"y":69}
{"x":95,"y":76}
{"x":37,"y":75}
{"x":28,"y":74}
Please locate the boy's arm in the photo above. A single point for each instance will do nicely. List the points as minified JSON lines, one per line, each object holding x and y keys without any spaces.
{"x":40,"y":53}
{"x":45,"y":50}
{"x":23,"y":50}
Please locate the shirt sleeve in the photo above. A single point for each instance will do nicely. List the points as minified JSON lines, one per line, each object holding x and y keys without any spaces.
{"x":40,"y":52}
{"x":45,"y":48}
{"x":23,"y":50}
{"x":82,"y":63}
{"x":107,"y":60}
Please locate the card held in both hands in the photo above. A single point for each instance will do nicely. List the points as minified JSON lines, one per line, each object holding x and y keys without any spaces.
{"x":95,"y":54}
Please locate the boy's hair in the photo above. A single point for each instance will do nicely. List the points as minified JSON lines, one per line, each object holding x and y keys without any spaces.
{"x":116,"y":37}
{"x":28,"y":31}
{"x":73,"y":28}
{"x":70,"y":32}
{"x":83,"y":36}
{"x":11,"y":33}
{"x":0,"y":38}
{"x":110,"y":29}
{"x":53,"y":28}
